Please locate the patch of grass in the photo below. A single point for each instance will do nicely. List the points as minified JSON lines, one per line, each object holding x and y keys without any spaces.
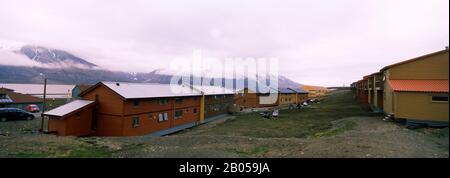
{"x":96,"y":152}
{"x":341,"y":127}
{"x":255,"y":151}
{"x":302,"y":123}
{"x":68,"y":152}
{"x":31,"y":155}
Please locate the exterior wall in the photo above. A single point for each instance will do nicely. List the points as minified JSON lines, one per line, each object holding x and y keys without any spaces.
{"x":149,"y":122}
{"x":302,"y":97}
{"x":78,"y":124}
{"x":218,"y":104}
{"x":147,"y":111}
{"x":418,"y":106}
{"x":247,"y":100}
{"x":153,"y":105}
{"x":362,"y":92}
{"x":431,"y":67}
{"x":57,"y":125}
{"x":378,"y":85}
{"x":286,"y":98}
{"x":108,"y":102}
{"x":379,"y":99}
{"x":315,"y":91}
{"x":364,"y":97}
{"x":388,"y":97}
{"x":109,"y":125}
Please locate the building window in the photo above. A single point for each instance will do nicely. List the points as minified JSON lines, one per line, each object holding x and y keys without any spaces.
{"x":195,"y":110}
{"x":136,"y":122}
{"x":439,"y":98}
{"x":135,"y":103}
{"x":178,"y":100}
{"x":179,"y":114}
{"x":163,"y":117}
{"x":163,"y":101}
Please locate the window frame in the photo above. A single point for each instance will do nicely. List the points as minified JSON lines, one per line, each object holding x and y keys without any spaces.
{"x":135,"y":122}
{"x":165,"y":117}
{"x":166,"y":101}
{"x":136,"y":103}
{"x":178,"y":100}
{"x":179,"y":112}
{"x":438,"y":101}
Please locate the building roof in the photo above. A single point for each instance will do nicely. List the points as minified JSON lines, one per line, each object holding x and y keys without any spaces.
{"x":285,"y":90}
{"x":146,"y":90}
{"x":299,"y":90}
{"x":260,"y":90}
{"x":311,"y":87}
{"x":414,"y":59}
{"x":214,"y":90}
{"x":435,"y":86}
{"x":69,"y":108}
{"x":38,"y":89}
{"x":14,"y":97}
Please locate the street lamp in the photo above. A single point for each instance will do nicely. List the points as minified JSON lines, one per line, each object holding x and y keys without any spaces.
{"x":43,"y":103}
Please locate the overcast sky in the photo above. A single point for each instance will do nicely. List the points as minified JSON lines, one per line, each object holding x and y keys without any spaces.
{"x":317,"y":42}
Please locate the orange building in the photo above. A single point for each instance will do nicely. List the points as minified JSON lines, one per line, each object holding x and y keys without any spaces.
{"x":247,"y":98}
{"x":127,"y":109}
{"x":315,"y":92}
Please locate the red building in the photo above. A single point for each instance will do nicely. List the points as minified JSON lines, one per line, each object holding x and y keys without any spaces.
{"x":127,"y":109}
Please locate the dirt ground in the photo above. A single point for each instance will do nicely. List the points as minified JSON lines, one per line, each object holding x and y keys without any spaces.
{"x":335,"y":131}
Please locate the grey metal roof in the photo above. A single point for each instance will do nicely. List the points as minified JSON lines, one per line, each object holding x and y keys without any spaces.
{"x":214,"y":90}
{"x":261,"y":90}
{"x":299,"y":90}
{"x":285,"y":90}
{"x":68,"y":108}
{"x":150,"y":90}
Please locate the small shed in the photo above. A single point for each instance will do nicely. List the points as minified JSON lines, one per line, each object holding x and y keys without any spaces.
{"x":72,"y":119}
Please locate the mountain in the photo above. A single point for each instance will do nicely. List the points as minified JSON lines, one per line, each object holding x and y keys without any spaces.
{"x":54,"y":57}
{"x":61,"y":67}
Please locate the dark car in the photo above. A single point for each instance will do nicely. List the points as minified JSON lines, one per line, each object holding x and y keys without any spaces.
{"x":14,"y":114}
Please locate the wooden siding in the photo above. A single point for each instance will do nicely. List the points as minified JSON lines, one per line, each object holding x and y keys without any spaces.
{"x":418,"y":106}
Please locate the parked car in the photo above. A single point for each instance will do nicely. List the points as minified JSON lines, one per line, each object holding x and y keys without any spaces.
{"x":32,"y":108}
{"x":265,"y":114}
{"x":7,"y":114}
{"x":275,"y":113}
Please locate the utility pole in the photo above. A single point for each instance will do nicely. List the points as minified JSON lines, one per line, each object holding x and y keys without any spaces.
{"x":44,"y":102}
